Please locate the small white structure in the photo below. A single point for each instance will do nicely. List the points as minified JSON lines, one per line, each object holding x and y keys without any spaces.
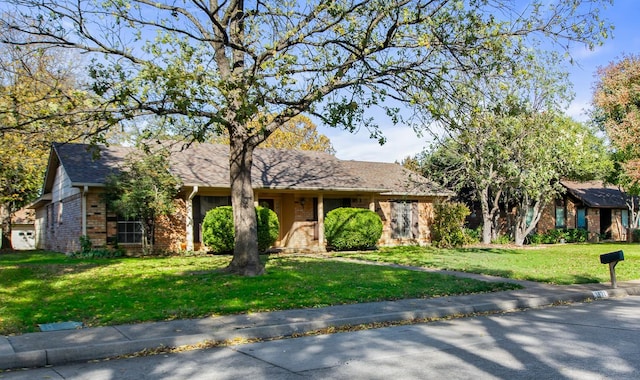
{"x":23,"y":232}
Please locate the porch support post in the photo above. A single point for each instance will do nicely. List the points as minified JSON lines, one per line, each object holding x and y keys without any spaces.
{"x":189,"y":219}
{"x":372,"y":203}
{"x":321,"y":242}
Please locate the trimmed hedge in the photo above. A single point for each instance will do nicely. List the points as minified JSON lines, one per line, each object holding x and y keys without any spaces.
{"x":218,"y":232}
{"x":352,"y":229}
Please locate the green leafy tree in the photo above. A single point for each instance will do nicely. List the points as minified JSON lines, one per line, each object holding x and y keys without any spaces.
{"x":510,"y":147}
{"x":448,"y":224}
{"x":247,"y":68}
{"x":616,"y":101}
{"x":299,"y":133}
{"x":39,"y":98}
{"x":143,"y":190}
{"x":561,"y":148}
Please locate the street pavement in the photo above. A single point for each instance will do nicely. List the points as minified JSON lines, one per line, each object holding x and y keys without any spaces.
{"x":592,"y":340}
{"x":57,"y":348}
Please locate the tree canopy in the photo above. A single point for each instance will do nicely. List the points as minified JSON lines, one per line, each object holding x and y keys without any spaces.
{"x":616,"y":101}
{"x":248,"y":67}
{"x":143,"y":190}
{"x":299,"y":133}
{"x":39,"y":102}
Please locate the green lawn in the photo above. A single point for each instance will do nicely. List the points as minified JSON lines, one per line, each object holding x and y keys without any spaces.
{"x":41,"y":287}
{"x":555,"y":264}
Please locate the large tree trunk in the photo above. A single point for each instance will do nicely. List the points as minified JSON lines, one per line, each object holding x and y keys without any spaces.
{"x":5,"y":227}
{"x":522,"y":230}
{"x":246,"y":258}
{"x":489,"y":225}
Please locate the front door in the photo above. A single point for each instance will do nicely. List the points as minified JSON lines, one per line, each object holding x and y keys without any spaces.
{"x":605,"y":223}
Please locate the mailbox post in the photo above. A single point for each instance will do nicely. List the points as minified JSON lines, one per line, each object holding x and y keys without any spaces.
{"x":612,"y":259}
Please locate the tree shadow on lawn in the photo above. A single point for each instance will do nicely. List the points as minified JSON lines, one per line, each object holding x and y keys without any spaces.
{"x":569,"y":279}
{"x":492,"y":250}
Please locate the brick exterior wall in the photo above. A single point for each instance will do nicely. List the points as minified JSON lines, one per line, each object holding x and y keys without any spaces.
{"x":592,"y":215}
{"x":97,"y":220}
{"x":170,"y":234}
{"x":547,"y":219}
{"x":425,"y":218}
{"x":62,"y":226}
{"x":303,"y":233}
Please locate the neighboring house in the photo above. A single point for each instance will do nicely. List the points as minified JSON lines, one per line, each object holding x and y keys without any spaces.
{"x":23,"y":235}
{"x":602,"y":210}
{"x":300,"y":186}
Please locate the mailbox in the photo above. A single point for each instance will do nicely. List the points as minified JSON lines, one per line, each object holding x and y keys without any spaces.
{"x":611,"y":257}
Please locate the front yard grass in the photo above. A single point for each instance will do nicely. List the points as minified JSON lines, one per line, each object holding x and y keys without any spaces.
{"x":561,"y":264}
{"x":44,"y":287}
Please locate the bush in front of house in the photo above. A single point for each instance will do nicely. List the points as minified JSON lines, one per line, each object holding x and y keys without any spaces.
{"x":349,"y":228}
{"x":218,"y":232}
{"x":448,"y":225}
{"x":572,"y":235}
{"x":268,"y":227}
{"x":88,"y":251}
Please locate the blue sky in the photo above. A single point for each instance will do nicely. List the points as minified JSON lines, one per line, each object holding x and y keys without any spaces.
{"x":403,"y":141}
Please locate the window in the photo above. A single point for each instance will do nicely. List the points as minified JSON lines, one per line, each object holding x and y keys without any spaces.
{"x":560,"y":215}
{"x":129,"y":231}
{"x":334,"y":203}
{"x":581,"y":218}
{"x":529,"y":216}
{"x":403,"y":225}
{"x":625,"y":218}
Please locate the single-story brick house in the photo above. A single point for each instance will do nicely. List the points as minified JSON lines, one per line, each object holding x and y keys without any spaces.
{"x":598,"y":208}
{"x":300,"y":186}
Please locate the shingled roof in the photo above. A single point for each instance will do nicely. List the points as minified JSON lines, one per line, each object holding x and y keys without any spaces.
{"x":596,"y":194}
{"x":207,"y":165}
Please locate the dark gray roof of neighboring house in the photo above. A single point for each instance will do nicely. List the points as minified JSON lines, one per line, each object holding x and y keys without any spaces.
{"x":595,"y":194}
{"x":207,"y":165}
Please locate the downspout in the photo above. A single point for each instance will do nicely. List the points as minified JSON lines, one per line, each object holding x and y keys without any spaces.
{"x":84,"y":210}
{"x":189,"y":219}
{"x":321,"y":243}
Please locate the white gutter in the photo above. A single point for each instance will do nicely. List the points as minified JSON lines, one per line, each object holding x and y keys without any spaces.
{"x":189,"y":219}
{"x":84,"y":210}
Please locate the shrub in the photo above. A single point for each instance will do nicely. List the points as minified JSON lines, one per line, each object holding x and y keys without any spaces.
{"x":473,"y":236}
{"x":87,"y":251}
{"x":576,"y":235}
{"x":448,"y":225}
{"x":268,"y":227}
{"x":218,"y":232}
{"x":536,"y":238}
{"x":352,"y":229}
{"x":502,"y":240}
{"x":573,"y":235}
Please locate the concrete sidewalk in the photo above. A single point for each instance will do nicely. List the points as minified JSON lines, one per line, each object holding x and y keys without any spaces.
{"x":66,"y":346}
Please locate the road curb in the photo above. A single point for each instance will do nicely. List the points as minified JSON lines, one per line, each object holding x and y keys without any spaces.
{"x":86,"y":352}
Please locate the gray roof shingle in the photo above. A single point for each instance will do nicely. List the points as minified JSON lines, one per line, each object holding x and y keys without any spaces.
{"x":207,"y":165}
{"x":596,"y":195}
